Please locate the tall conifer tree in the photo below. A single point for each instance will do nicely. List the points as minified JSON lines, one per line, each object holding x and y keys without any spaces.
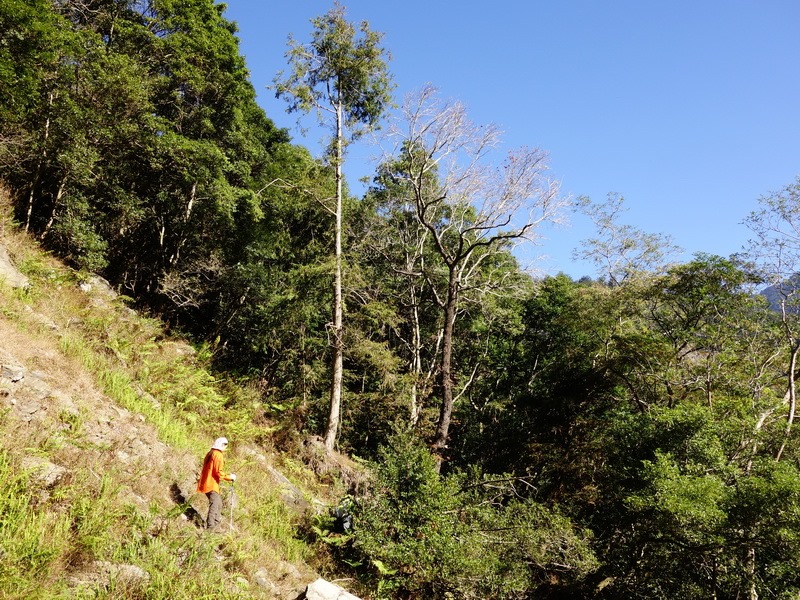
{"x":342,"y":75}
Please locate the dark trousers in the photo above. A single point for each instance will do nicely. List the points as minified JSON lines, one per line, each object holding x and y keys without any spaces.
{"x":214,"y":510}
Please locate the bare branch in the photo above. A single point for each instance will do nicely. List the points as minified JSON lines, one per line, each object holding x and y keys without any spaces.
{"x":473,"y":206}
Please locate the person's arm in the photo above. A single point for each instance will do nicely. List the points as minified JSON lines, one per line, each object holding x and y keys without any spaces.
{"x":219,"y":473}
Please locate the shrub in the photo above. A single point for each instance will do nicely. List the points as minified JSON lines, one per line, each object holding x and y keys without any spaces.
{"x":461,"y":535}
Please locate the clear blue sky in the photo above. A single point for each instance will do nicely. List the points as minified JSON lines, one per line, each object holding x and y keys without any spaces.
{"x":690,"y":108}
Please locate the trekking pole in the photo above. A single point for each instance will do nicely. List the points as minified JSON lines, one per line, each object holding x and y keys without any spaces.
{"x":233,"y":501}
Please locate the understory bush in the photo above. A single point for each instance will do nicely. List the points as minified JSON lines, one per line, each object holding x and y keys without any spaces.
{"x":463,"y":535}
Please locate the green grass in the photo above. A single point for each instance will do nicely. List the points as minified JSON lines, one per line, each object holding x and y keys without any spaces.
{"x":271,"y":520}
{"x":87,"y":522}
{"x":32,"y":542}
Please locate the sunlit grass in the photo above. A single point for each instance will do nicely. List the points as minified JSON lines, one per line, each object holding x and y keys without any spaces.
{"x":271,"y":520}
{"x":32,"y":542}
{"x":87,"y":522}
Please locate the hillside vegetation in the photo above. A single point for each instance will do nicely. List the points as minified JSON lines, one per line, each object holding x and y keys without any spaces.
{"x":410,"y":411}
{"x":106,"y":419}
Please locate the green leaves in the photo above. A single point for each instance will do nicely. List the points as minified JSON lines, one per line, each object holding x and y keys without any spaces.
{"x":341,"y":69}
{"x":27,"y":40}
{"x":695,"y":502}
{"x":461,"y":534}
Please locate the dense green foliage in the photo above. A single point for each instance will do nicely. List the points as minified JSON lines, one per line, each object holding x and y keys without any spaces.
{"x":630,"y":437}
{"x":461,"y":535}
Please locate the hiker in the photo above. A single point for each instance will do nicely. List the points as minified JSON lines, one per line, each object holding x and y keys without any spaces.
{"x":210,"y":478}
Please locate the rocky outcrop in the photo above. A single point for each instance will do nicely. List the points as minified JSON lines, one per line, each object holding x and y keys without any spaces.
{"x":9,"y":273}
{"x":75,"y":411}
{"x":42,"y":472}
{"x":100,"y":574}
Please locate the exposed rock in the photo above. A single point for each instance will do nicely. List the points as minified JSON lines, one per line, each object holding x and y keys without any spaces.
{"x":287,"y":571}
{"x":12,"y":372}
{"x":178,"y":348}
{"x":325,"y":463}
{"x":242,"y":583}
{"x":291,"y":496}
{"x":43,"y":472}
{"x":130,"y":574}
{"x":148,"y":397}
{"x":100,"y":574}
{"x":9,"y":273}
{"x":184,"y":489}
{"x":41,"y":319}
{"x":253,"y":453}
{"x":325,"y":590}
{"x":99,"y":287}
{"x":283,"y":582}
{"x":129,"y":498}
{"x":30,"y":410}
{"x":262,"y":579}
{"x":39,"y":389}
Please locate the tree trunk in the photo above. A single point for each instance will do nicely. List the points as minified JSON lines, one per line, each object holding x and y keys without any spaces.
{"x":42,"y":159}
{"x":446,"y":408}
{"x":338,"y":302}
{"x":792,"y":398}
{"x":751,"y":572}
{"x":176,"y":254}
{"x":416,"y":362}
{"x":56,"y":202}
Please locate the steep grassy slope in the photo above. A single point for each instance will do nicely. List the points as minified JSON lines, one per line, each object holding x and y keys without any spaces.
{"x":105,"y":420}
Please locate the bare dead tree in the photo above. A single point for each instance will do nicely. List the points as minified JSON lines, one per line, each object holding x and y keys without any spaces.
{"x":473,"y":206}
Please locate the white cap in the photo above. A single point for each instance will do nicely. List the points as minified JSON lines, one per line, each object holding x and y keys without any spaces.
{"x":220,"y":444}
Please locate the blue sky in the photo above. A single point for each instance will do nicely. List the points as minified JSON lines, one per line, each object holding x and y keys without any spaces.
{"x":689,"y":109}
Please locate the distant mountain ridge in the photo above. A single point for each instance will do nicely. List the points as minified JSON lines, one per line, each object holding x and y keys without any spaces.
{"x":776,"y":293}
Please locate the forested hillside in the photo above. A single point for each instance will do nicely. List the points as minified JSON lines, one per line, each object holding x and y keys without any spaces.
{"x":630,"y":436}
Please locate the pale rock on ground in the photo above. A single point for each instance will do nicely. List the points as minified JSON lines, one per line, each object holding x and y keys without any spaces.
{"x":9,"y":273}
{"x":325,"y":590}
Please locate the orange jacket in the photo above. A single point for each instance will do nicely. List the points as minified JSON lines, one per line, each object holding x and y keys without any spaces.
{"x":212,"y":472}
